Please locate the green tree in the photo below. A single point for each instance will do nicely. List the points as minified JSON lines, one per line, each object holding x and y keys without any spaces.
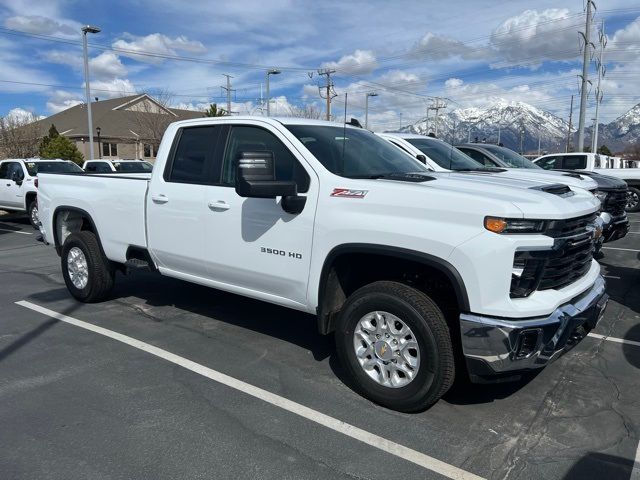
{"x":604,"y":150}
{"x":53,"y":133}
{"x":61,"y":147}
{"x":214,"y":111}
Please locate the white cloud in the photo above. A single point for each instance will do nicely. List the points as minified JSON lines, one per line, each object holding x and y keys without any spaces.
{"x":439,"y":47}
{"x":156,"y":43}
{"x":43,"y":25}
{"x":107,"y":65}
{"x":22,"y":115}
{"x":534,"y":36}
{"x":116,"y":87}
{"x":61,"y":100}
{"x":357,"y":63}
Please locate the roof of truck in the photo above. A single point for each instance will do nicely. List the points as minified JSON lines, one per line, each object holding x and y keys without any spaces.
{"x":271,"y":120}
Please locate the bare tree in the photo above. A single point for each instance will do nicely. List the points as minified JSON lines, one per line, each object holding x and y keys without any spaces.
{"x":307,"y":111}
{"x":152,"y":119}
{"x":19,"y":136}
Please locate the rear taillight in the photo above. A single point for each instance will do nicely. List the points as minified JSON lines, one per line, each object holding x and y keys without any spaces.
{"x":35,"y":183}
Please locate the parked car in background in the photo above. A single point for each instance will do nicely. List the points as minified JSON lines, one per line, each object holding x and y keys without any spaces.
{"x":594,"y":162}
{"x":117,"y":166}
{"x":19,"y":187}
{"x":442,"y":157}
{"x":611,"y":191}
{"x":407,"y":267}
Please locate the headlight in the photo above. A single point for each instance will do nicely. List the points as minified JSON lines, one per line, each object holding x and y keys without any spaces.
{"x":602,"y":196}
{"x":513,"y":225}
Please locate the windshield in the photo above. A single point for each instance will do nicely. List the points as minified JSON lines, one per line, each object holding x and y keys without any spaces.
{"x":354,"y":153}
{"x":52,"y":167}
{"x":445,"y":155}
{"x":511,"y":158}
{"x":132,"y":167}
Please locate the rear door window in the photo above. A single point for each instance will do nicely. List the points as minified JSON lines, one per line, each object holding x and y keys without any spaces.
{"x":192,"y":158}
{"x":574,"y":162}
{"x":479,"y":157}
{"x":548,"y":163}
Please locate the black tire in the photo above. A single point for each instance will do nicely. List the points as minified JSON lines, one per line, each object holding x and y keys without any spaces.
{"x":436,"y":372}
{"x":30,"y":211}
{"x":633,"y":202}
{"x":100,"y":270}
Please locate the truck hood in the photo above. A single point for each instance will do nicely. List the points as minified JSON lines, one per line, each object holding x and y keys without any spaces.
{"x":571,"y":179}
{"x":605,"y":182}
{"x":515,"y":197}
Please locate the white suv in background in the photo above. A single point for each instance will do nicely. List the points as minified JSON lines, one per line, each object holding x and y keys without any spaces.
{"x":117,"y":166}
{"x":19,"y":187}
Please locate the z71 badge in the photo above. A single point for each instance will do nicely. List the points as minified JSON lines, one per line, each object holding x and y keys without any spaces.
{"x":348,"y":193}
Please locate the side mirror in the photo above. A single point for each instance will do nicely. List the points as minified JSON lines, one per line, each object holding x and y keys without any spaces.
{"x":16,"y":178}
{"x":256,"y":178}
{"x":422,"y":158}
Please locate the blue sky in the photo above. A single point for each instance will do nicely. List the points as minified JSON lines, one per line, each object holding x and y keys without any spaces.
{"x":471,"y":52}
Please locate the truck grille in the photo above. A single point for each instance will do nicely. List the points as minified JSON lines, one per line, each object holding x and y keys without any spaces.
{"x":568,"y":260}
{"x":571,"y":256}
{"x":616,"y":202}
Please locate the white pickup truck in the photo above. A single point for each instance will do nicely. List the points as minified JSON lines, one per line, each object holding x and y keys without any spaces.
{"x":420,"y":275}
{"x":602,"y":164}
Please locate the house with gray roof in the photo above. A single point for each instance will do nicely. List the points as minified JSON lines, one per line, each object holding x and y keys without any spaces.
{"x":124,"y":127}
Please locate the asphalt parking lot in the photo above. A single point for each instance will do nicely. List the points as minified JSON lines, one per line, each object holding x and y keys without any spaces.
{"x":180,"y":381}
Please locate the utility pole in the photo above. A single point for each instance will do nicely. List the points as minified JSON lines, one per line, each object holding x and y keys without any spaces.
{"x":270,"y":72}
{"x":499,"y":128}
{"x":522,"y":131}
{"x":229,"y":90}
{"x":437,"y":105}
{"x":602,"y":70}
{"x":366,"y":108}
{"x":427,"y":120}
{"x":585,"y":75}
{"x":329,"y":91}
{"x":539,"y":144}
{"x":569,"y":134}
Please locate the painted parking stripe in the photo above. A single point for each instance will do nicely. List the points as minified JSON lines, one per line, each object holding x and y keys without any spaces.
{"x":334,"y":424}
{"x":15,"y":231}
{"x":621,"y":249}
{"x":635,"y":472}
{"x":614,"y":339}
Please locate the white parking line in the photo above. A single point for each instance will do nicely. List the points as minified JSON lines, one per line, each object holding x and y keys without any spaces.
{"x":621,"y":249}
{"x":634,"y":233}
{"x":635,"y":471}
{"x":614,"y":339}
{"x":15,"y":231}
{"x":334,"y":424}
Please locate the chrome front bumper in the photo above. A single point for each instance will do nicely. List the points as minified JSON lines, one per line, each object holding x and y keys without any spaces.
{"x":496,"y":346}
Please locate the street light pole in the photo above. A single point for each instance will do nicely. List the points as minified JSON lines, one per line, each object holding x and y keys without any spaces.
{"x":273,"y":71}
{"x":98,"y":129}
{"x":366,"y":108}
{"x":88,"y":29}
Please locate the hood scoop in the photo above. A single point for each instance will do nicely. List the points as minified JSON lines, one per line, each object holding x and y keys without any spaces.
{"x":555,"y":189}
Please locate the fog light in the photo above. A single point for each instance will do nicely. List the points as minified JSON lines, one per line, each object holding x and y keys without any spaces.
{"x":527,"y":343}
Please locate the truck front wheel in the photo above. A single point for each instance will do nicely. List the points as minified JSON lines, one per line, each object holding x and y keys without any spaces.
{"x":633,"y":199}
{"x":395,"y":346}
{"x":87,"y":273}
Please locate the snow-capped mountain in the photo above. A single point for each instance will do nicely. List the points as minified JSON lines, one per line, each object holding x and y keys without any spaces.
{"x":503,"y":122}
{"x":514,"y":122}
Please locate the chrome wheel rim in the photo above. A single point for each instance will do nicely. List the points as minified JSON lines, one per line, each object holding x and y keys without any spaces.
{"x":632,"y":200}
{"x":78,"y":268}
{"x":34,"y":216}
{"x":386,"y":349}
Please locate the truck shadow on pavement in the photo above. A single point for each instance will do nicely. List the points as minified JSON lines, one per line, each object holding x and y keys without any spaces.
{"x":600,"y":466}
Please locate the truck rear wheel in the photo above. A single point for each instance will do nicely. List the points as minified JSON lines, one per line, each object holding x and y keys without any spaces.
{"x":32,"y":210}
{"x":87,"y":273}
{"x":633,"y":199}
{"x":395,"y":346}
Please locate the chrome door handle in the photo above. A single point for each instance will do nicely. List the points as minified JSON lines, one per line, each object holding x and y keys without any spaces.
{"x":160,"y":198}
{"x":219,"y":206}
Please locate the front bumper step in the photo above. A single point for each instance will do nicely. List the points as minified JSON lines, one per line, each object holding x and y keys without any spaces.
{"x":495,"y":347}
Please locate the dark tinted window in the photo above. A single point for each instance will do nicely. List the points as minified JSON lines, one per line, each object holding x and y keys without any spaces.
{"x":98,"y":167}
{"x":511,"y":158}
{"x":548,"y":163}
{"x":132,"y":167}
{"x":478,"y":157}
{"x":444,"y":154}
{"x":574,"y":162}
{"x":254,"y":139}
{"x":354,"y":152}
{"x":14,"y":170}
{"x":193,"y":155}
{"x":52,"y":167}
{"x":4,"y":168}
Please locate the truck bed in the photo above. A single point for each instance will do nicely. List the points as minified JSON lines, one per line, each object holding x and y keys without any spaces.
{"x":116,"y":203}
